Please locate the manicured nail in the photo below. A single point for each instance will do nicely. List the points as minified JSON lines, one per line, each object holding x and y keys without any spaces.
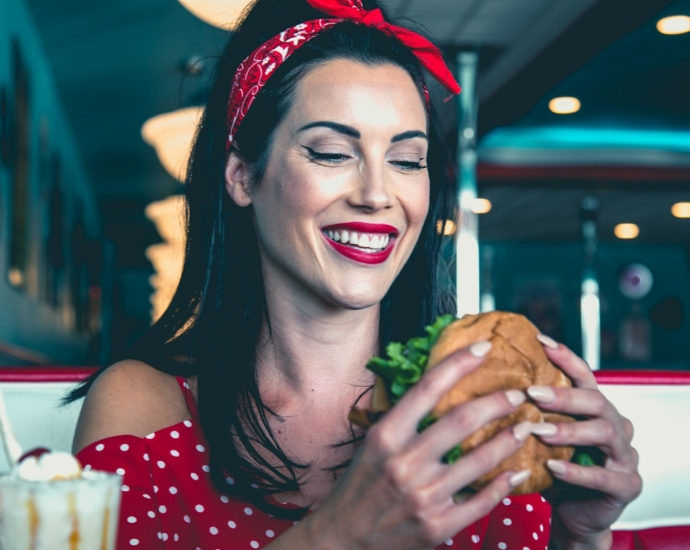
{"x":516,"y":397}
{"x":522,"y":431}
{"x":520,"y":477}
{"x":543,"y":394}
{"x":548,"y":342}
{"x":544,"y":428}
{"x":480,"y":349}
{"x":557,"y":467}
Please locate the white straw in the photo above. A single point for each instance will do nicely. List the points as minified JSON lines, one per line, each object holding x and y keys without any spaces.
{"x":12,"y":448}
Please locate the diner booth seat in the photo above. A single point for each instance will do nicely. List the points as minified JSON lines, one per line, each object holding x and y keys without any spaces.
{"x":658,"y":403}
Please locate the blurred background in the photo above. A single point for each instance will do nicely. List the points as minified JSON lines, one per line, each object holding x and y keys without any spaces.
{"x":572,"y":137}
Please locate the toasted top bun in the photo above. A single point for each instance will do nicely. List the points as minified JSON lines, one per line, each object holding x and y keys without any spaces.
{"x":516,"y":361}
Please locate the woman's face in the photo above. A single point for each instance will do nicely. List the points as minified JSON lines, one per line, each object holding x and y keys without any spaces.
{"x":346,"y":189}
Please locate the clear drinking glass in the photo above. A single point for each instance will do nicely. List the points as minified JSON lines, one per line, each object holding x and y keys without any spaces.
{"x":72,"y":514}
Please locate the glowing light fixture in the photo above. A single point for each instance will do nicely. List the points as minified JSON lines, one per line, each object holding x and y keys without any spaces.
{"x":676,"y":24}
{"x":681,"y":210}
{"x":224,"y":14}
{"x":171,"y":135}
{"x":481,"y":206}
{"x":564,"y":105}
{"x":167,"y":257}
{"x":626,"y":231}
{"x":448,"y":228}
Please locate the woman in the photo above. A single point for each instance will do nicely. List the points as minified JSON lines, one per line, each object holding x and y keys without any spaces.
{"x":313,"y":196}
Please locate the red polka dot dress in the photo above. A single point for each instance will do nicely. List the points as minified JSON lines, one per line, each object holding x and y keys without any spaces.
{"x":168,"y":500}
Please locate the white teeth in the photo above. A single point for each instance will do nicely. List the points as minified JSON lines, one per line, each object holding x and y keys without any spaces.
{"x":330,"y":234}
{"x":364,"y":242}
{"x":374,"y":243}
{"x":345,"y":238}
{"x":354,"y":238}
{"x":336,"y":238}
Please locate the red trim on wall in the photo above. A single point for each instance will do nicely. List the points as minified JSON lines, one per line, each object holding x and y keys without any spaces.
{"x":487,"y":171}
{"x":45,"y":374}
{"x":643,"y":377}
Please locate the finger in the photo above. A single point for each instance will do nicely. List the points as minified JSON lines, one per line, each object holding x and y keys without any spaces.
{"x":575,"y":401}
{"x":591,"y":433}
{"x":481,"y":504}
{"x":421,"y":398}
{"x":621,"y":486}
{"x":462,"y":421}
{"x":572,"y":365}
{"x":484,"y":458}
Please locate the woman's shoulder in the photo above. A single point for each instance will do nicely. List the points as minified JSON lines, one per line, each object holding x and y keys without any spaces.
{"x":129,"y":398}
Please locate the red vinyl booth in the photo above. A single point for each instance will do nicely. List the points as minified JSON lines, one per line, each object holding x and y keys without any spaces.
{"x":658,"y":403}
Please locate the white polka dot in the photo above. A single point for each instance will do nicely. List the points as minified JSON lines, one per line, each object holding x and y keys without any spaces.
{"x":213,"y":530}
{"x":174,"y":452}
{"x":507,"y":521}
{"x":125,"y":488}
{"x":535,"y":536}
{"x":161,"y":464}
{"x":146,"y":457}
{"x":162,"y":509}
{"x":100,"y":447}
{"x":175,"y":434}
{"x":529,"y":507}
{"x":176,"y":537}
{"x":254,"y":486}
{"x":165,"y":536}
{"x":120,"y":471}
{"x":187,"y":423}
{"x":230,"y":481}
{"x":146,"y":496}
{"x":507,"y":501}
{"x":449,"y":542}
{"x":194,"y":476}
{"x":248,"y":511}
{"x":205,"y":468}
{"x":525,"y":548}
{"x":151,"y":436}
{"x":232,"y":524}
{"x":87,"y":467}
{"x":200,"y":448}
{"x":254,"y":544}
{"x":187,"y":519}
{"x":270,"y":534}
{"x":502,"y":545}
{"x":224,"y":499}
{"x":160,"y":535}
{"x":134,"y":542}
{"x":124,"y":447}
{"x":131,"y":519}
{"x":173,"y":490}
{"x":542,"y":499}
{"x":199,"y":508}
{"x":155,"y":488}
{"x":151,"y":514}
{"x":541,"y":528}
{"x":185,"y":385}
{"x":475,"y":539}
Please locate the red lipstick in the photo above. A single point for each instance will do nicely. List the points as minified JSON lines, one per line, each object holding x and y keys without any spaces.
{"x":359,"y":255}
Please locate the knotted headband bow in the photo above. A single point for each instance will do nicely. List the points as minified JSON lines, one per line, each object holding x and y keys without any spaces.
{"x":253,"y":73}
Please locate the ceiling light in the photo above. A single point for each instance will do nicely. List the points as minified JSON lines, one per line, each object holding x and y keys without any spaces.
{"x":171,"y":135}
{"x":564,"y":105}
{"x":448,"y":228}
{"x":626,"y":231}
{"x":224,"y":14}
{"x":681,"y":210}
{"x":481,"y":206}
{"x":676,"y":24}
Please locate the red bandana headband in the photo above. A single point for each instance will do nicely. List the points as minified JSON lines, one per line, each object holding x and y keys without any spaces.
{"x":253,"y":73}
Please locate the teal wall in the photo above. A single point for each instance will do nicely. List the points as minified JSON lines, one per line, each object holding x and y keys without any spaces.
{"x":27,"y":318}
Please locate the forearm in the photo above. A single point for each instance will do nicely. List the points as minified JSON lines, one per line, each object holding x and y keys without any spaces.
{"x":302,"y":535}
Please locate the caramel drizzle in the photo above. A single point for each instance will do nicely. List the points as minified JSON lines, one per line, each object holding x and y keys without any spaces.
{"x":106,"y":521}
{"x":74,"y":535}
{"x":33,"y":521}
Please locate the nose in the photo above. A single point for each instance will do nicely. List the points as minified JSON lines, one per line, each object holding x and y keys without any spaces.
{"x":373,"y":191}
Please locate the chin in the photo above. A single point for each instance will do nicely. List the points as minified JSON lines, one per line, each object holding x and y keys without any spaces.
{"x":361,"y":297}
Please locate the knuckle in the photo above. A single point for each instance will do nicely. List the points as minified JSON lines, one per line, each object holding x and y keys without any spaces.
{"x":636,"y":456}
{"x":381,"y":438}
{"x":608,"y":432}
{"x":430,"y":530}
{"x":417,"y":503}
{"x":637,"y":484}
{"x":397,"y":472}
{"x":628,"y":429}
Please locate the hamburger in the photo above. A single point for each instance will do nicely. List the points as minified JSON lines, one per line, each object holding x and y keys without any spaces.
{"x":516,"y":361}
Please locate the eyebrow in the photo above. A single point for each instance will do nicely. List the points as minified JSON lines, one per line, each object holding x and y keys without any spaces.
{"x":353,"y":132}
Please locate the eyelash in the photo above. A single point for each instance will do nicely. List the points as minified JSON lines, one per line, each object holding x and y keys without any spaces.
{"x":334,"y":158}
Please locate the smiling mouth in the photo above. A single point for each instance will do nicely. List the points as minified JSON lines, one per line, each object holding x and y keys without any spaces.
{"x":370,"y":243}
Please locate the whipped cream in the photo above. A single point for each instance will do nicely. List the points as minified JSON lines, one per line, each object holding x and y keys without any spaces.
{"x":50,"y":466}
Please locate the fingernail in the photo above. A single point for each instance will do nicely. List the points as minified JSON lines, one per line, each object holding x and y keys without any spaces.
{"x":544,"y":428}
{"x":548,"y":342}
{"x":522,"y":431}
{"x":557,"y":467}
{"x":520,"y":477}
{"x":516,"y":397}
{"x":543,"y":394}
{"x":480,"y":349}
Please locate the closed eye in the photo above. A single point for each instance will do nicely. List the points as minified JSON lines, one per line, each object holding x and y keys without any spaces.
{"x":333,"y":158}
{"x":410,"y":165}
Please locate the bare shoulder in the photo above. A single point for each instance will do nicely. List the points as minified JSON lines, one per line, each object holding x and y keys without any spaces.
{"x":129,"y":398}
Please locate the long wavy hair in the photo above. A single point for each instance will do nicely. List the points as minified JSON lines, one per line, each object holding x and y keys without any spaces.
{"x":212,"y":326}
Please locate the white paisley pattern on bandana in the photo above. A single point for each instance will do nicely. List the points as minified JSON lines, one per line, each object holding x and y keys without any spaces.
{"x":255,"y":70}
